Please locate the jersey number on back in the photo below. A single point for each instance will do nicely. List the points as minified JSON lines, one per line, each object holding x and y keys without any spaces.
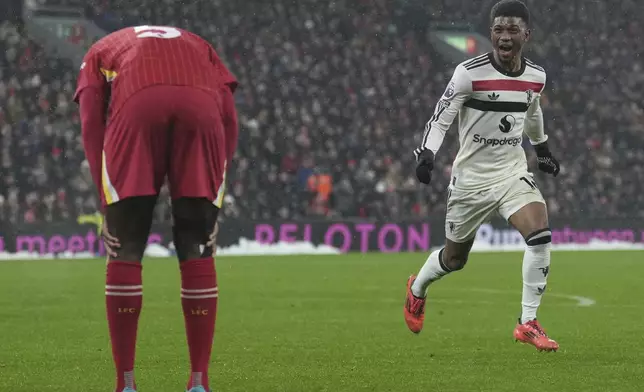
{"x":157,"y":32}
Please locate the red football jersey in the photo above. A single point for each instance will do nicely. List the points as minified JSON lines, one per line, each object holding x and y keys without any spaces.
{"x":134,"y":58}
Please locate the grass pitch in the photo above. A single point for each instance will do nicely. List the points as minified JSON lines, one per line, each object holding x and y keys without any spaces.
{"x":333,"y":323}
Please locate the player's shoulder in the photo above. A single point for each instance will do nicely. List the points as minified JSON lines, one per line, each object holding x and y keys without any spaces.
{"x":462,"y":71}
{"x":111,"y":40}
{"x":532,"y":65}
{"x":474,"y":68}
{"x":188,"y":33}
{"x":476,"y":62}
{"x":534,"y":70}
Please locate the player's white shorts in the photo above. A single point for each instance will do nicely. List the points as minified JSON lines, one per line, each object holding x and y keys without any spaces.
{"x":468,"y":210}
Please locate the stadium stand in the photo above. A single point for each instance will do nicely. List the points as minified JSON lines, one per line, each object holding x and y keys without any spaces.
{"x":334,"y":98}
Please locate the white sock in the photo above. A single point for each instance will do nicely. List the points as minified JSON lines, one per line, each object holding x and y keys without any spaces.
{"x":431,"y":272}
{"x":536,"y":265}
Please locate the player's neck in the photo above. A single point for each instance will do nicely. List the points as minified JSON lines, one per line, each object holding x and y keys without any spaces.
{"x":513,"y":65}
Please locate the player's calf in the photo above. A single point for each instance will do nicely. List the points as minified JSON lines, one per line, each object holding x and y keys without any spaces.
{"x":123,"y":300}
{"x":451,"y":258}
{"x":129,"y":221}
{"x":194,"y":223}
{"x":531,"y":221}
{"x":536,"y":267}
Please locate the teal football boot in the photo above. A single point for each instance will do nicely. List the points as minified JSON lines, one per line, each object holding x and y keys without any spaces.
{"x":197,"y":389}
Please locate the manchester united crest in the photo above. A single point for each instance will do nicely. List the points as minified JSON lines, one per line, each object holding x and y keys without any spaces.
{"x":529,"y":96}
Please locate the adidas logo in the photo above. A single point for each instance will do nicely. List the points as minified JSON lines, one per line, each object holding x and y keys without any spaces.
{"x":493,"y":96}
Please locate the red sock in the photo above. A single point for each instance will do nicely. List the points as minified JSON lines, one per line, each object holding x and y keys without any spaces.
{"x":199,"y":300}
{"x":124,"y":298}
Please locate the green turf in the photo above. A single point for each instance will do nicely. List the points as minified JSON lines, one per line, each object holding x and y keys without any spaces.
{"x":332,"y":323}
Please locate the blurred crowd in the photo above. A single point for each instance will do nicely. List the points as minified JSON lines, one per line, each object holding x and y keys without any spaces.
{"x":333,"y":99}
{"x":40,"y":152}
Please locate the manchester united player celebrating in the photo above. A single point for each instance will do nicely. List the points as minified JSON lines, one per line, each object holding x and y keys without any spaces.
{"x":157,"y":101}
{"x":496,"y":97}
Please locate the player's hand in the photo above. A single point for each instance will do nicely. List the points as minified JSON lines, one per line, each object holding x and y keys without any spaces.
{"x":212,"y":240}
{"x":111,"y":243}
{"x":546,"y":162}
{"x":425,"y":164}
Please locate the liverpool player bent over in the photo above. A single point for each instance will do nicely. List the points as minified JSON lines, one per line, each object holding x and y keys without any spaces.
{"x":154,"y":102}
{"x":496,"y":96}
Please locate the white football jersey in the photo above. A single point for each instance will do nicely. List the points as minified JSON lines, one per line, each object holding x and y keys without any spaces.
{"x":495,"y":107}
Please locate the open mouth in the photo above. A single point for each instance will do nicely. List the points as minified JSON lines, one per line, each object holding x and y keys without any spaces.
{"x":505,"y":49}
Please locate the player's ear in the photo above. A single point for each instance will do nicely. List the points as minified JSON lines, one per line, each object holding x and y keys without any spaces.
{"x":528,"y":34}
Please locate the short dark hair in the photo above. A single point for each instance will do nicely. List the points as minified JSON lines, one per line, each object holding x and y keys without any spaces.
{"x":510,"y":8}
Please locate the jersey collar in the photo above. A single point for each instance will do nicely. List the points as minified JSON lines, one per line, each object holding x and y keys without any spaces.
{"x":504,"y":71}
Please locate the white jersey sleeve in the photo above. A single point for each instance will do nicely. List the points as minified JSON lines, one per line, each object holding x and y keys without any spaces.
{"x":458,"y":91}
{"x":534,"y":122}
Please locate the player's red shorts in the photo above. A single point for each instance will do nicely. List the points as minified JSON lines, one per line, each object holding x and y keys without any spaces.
{"x":172,"y":131}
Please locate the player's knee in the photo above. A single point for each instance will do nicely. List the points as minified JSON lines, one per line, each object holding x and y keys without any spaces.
{"x":455,"y":255}
{"x":190,"y":242}
{"x":129,"y":220}
{"x":131,"y":251}
{"x":454,"y":261}
{"x":194,"y":223}
{"x":539,"y":237}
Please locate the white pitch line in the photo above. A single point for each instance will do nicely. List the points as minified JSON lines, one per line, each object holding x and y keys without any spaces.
{"x":581,"y":301}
